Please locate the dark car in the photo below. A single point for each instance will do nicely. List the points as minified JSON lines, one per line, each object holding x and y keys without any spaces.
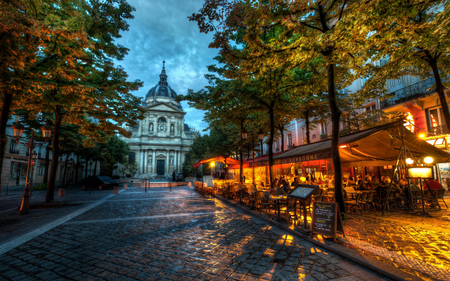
{"x":104,"y":181}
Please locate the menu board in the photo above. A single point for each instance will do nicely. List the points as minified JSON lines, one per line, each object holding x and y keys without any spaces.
{"x":303,"y":191}
{"x":324,"y":218}
{"x":208,"y":180}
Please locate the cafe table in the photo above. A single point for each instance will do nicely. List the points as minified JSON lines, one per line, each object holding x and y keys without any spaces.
{"x":278,"y":200}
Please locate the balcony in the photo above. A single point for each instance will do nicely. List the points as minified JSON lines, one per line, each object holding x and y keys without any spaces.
{"x":409,"y":92}
{"x":14,"y":151}
{"x":439,"y":130}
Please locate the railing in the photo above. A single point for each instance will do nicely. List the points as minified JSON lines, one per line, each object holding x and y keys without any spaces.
{"x":439,"y":130}
{"x":409,"y":92}
{"x":14,"y":151}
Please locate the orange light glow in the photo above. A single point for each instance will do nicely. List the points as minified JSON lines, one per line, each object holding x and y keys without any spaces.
{"x":343,"y":146}
{"x":422,"y":135}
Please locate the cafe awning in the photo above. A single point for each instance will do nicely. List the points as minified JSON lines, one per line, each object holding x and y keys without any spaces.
{"x":377,"y":146}
{"x":221,"y":159}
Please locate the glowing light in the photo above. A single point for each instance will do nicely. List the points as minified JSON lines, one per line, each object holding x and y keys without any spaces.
{"x":409,"y":124}
{"x":409,"y":161}
{"x":428,"y":160}
{"x":422,"y":135}
{"x":212,"y":164}
{"x":343,"y":146}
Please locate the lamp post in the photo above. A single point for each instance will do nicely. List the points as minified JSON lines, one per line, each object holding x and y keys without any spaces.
{"x":31,"y":144}
{"x":33,"y":163}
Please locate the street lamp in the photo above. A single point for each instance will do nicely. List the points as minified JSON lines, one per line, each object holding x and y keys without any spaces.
{"x":244,"y":133}
{"x":31,"y":144}
{"x":212,"y":167}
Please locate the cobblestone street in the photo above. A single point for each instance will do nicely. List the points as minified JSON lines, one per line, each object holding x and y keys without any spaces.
{"x":162,"y":235}
{"x":416,"y":244}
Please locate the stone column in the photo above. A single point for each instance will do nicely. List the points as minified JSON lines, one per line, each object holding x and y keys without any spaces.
{"x":154,"y":162}
{"x":175,"y":162}
{"x":180,"y":165}
{"x":145,"y":161}
{"x":140,"y":161}
{"x":167,"y":162}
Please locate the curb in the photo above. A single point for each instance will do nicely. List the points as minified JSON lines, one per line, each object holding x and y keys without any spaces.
{"x":366,"y":262}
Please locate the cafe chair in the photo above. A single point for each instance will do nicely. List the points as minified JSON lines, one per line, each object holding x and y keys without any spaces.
{"x":440,"y":196}
{"x":263,"y":201}
{"x":354,"y":204}
{"x":290,"y":210}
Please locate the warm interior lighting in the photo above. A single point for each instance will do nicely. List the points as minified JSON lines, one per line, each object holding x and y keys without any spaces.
{"x":420,"y":173}
{"x":343,"y":146}
{"x":422,"y":135}
{"x":428,"y":160}
{"x":409,"y":161}
{"x":212,"y":164}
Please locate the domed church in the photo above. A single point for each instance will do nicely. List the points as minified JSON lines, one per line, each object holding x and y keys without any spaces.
{"x":160,"y":142}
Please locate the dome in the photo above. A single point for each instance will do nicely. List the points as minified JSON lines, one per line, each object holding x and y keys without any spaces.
{"x":162,"y":89}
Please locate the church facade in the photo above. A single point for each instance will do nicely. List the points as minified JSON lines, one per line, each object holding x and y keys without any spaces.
{"x":161,"y":141}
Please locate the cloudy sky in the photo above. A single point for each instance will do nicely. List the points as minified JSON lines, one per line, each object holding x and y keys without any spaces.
{"x":161,"y":31}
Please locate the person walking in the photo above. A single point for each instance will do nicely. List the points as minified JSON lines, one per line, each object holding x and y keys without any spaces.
{"x":173,"y":176}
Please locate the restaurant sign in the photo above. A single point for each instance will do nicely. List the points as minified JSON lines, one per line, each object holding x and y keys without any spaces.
{"x":305,"y":157}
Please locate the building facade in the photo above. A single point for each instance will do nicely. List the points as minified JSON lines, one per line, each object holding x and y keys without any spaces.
{"x":161,"y":141}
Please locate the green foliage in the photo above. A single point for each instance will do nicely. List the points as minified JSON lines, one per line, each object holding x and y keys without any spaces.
{"x":42,"y":186}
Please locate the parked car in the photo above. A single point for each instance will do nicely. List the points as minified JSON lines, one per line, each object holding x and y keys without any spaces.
{"x":95,"y":181}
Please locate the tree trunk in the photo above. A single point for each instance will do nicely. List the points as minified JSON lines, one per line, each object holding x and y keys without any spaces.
{"x":335,"y":118}
{"x":47,"y":161}
{"x":77,"y":166}
{"x":307,"y":127}
{"x":272,"y":132}
{"x":440,"y":91}
{"x":65,"y":170}
{"x":50,"y":197}
{"x":241,"y":157}
{"x":6,"y":107}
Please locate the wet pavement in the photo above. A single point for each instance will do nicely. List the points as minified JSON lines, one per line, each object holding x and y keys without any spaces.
{"x":159,"y":235}
{"x":415,"y":244}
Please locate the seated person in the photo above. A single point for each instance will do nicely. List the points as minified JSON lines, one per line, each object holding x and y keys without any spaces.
{"x":284,"y":185}
{"x":296,"y":181}
{"x":362,"y":185}
{"x":432,"y":184}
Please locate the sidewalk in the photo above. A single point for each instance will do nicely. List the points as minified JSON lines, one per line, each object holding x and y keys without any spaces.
{"x":418,"y":246}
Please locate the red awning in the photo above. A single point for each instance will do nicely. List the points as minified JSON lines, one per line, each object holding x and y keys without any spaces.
{"x":221,"y":159}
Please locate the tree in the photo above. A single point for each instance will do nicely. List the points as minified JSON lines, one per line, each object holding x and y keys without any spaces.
{"x":114,"y":151}
{"x":284,"y":35}
{"x":407,"y":34}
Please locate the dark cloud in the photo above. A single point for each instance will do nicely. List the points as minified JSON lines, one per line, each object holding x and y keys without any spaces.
{"x":161,"y":31}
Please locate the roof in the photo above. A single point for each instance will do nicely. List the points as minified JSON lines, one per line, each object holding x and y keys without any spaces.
{"x":371,"y":147}
{"x":162,"y":89}
{"x":186,"y":127}
{"x":222,"y":159}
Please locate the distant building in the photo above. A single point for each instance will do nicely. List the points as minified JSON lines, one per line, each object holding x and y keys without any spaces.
{"x":160,"y":142}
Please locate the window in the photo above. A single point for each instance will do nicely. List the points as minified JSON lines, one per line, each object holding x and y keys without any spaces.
{"x":436,"y":121}
{"x":12,"y":146}
{"x":277,"y":145}
{"x":131,"y":157}
{"x":323,"y":127}
{"x":370,"y":107}
{"x":40,"y":169}
{"x":289,"y":139}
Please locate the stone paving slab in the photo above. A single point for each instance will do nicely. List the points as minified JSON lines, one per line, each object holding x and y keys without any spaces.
{"x":210,"y":241}
{"x":416,"y":244}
